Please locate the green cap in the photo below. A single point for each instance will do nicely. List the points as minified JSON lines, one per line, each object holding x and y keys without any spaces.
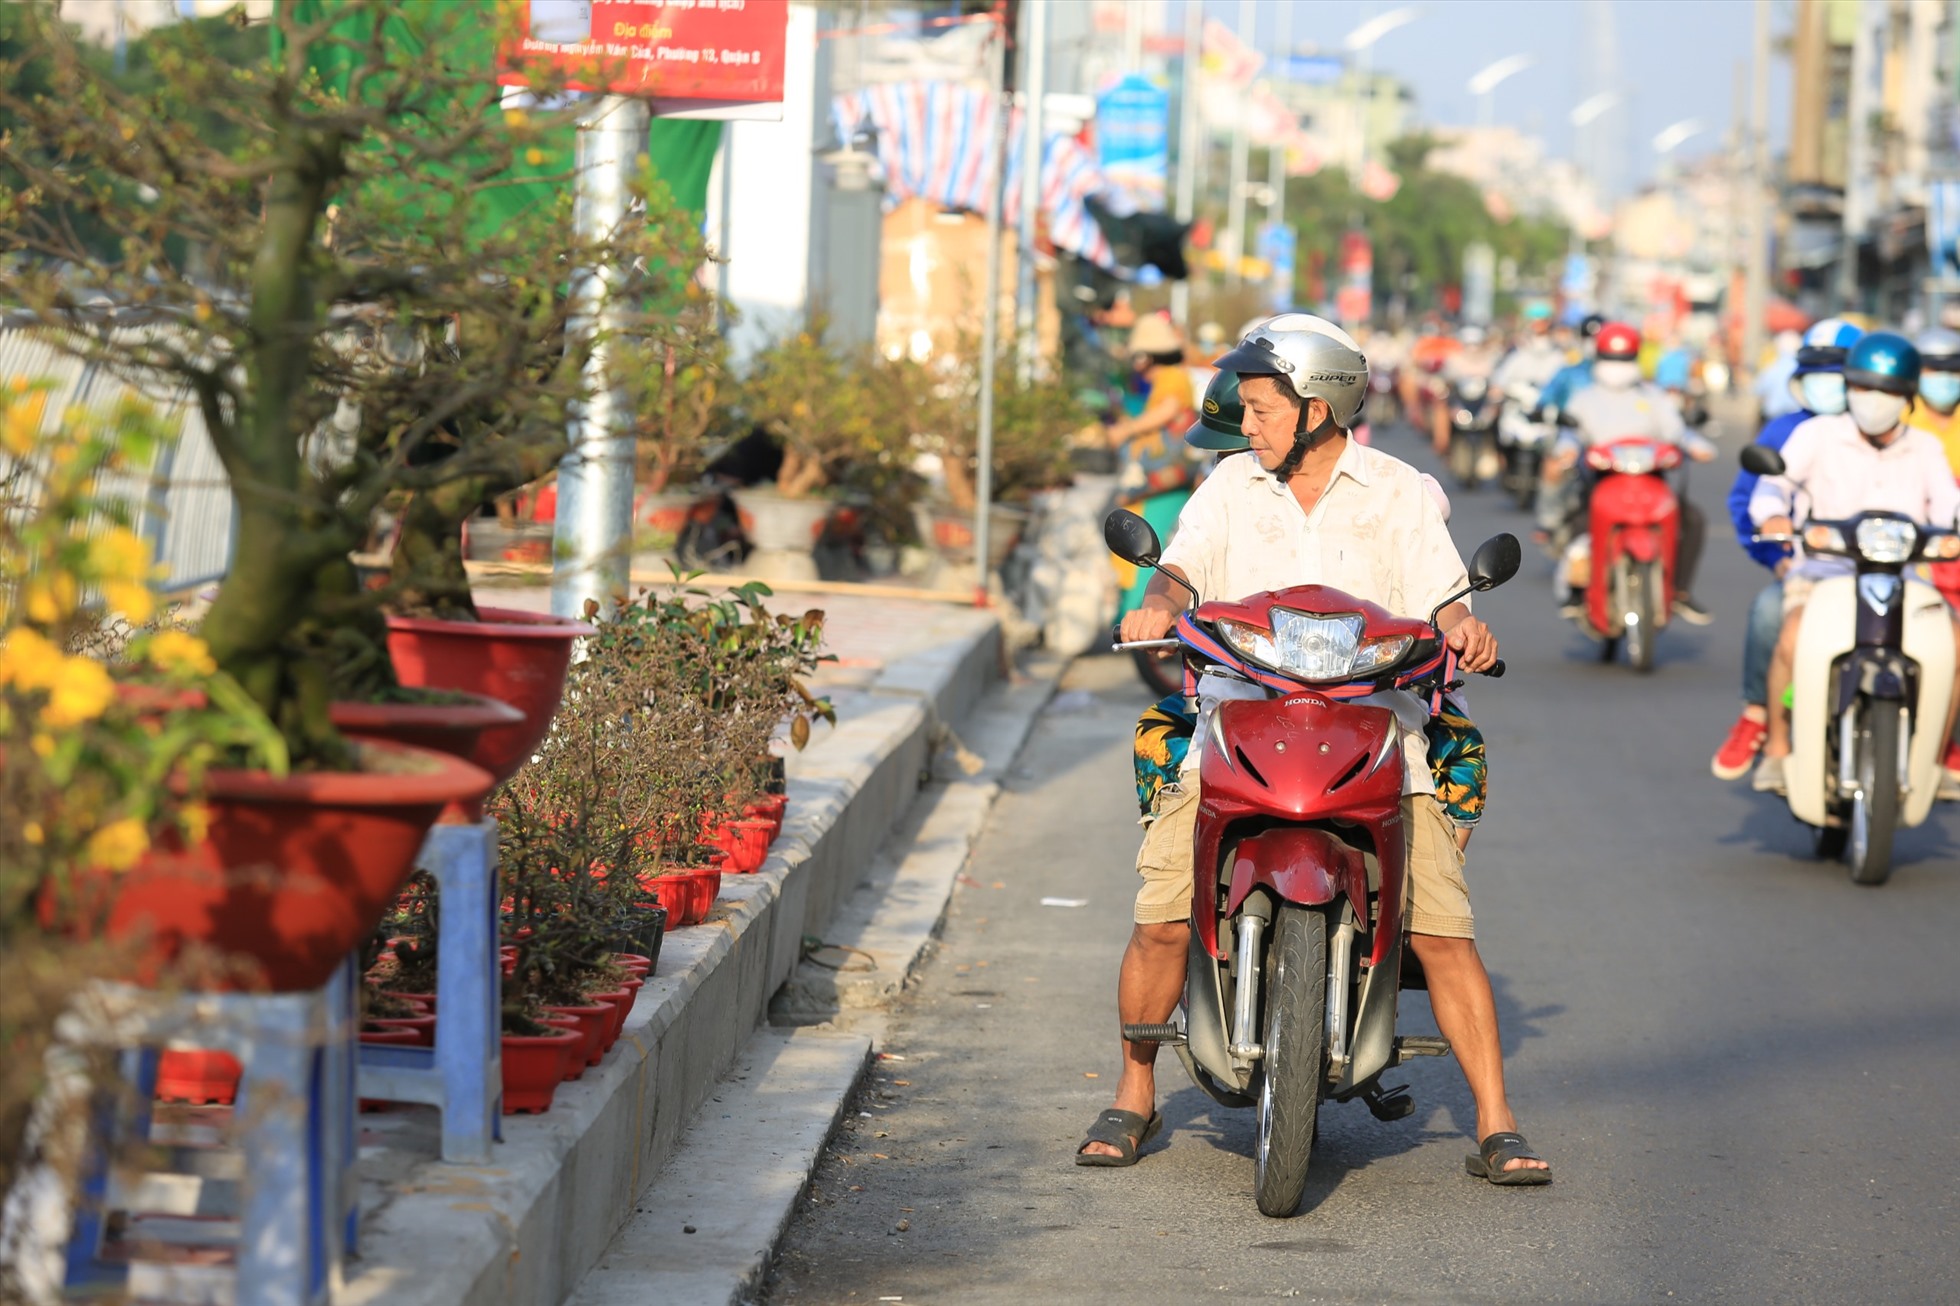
{"x":1220,"y":415}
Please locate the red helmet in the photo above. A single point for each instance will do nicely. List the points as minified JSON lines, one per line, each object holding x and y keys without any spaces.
{"x":1617,"y":342}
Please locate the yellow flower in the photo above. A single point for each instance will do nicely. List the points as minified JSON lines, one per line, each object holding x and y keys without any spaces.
{"x":42,"y":743}
{"x":134,"y":601}
{"x":117,"y":845}
{"x":119,"y":554}
{"x":196,"y":820}
{"x":50,"y":598}
{"x":534,"y":156}
{"x":29,"y":660}
{"x":22,"y":426}
{"x":177,"y":651}
{"x":81,"y":692}
{"x":33,"y":833}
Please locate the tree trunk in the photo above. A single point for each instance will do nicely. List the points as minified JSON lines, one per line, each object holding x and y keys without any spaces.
{"x":427,"y":574}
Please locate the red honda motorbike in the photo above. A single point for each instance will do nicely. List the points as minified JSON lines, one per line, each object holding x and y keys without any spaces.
{"x":1297,"y":959}
{"x":1635,"y":522}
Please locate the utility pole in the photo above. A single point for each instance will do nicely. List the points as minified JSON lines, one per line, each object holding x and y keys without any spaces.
{"x":1862,"y":104}
{"x":1027,"y":316}
{"x":593,"y":534}
{"x":1756,"y":294}
{"x":1189,"y":145}
{"x":1241,"y":155}
{"x":1276,"y":156}
{"x":990,"y":325}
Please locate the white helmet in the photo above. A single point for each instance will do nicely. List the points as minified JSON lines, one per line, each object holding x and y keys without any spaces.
{"x":1317,"y":358}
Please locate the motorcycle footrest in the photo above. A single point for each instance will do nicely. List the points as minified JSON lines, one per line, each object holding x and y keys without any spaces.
{"x":1153,"y":1034}
{"x":1419,"y":1045}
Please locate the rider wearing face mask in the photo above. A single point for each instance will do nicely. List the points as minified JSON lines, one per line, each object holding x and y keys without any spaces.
{"x":1938,"y":414}
{"x":1618,"y":405}
{"x":1818,"y":387}
{"x":1866,"y":459}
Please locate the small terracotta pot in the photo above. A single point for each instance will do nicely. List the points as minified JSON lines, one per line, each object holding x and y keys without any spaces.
{"x":747,"y":845}
{"x":620,"y":1001}
{"x":200,"y":1076}
{"x":451,"y":728}
{"x":687,"y":895}
{"x":426,"y":1001}
{"x":422,"y":1027}
{"x":592,"y":1020}
{"x":633,"y":963}
{"x":533,"y":1066}
{"x":391,"y":1033}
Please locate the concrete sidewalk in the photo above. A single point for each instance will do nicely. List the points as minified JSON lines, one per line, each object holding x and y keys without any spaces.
{"x":526,"y":1229}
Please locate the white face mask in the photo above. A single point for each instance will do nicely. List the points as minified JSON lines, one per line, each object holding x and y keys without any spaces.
{"x":1615,"y":373}
{"x":1875,"y":412}
{"x":1821,"y":392}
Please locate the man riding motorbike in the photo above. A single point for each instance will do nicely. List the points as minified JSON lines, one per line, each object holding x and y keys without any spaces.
{"x":1617,"y":405}
{"x":1865,"y":460}
{"x":1308,"y":506}
{"x":1817,"y":385}
{"x":1937,"y":413}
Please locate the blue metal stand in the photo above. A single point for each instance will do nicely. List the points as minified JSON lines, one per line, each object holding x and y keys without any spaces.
{"x":293,"y":1127}
{"x":463,"y":1075}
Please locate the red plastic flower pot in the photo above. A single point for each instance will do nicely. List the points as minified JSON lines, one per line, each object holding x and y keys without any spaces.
{"x":295,"y":872}
{"x":452,"y":728}
{"x":633,"y":963}
{"x":197,"y":1075}
{"x":422,"y":1027}
{"x":688,"y":896}
{"x":518,"y":658}
{"x":592,"y":1020}
{"x":426,"y":1001}
{"x":619,"y":1001}
{"x":533,"y":1066}
{"x":388,"y":1033}
{"x":747,"y":846}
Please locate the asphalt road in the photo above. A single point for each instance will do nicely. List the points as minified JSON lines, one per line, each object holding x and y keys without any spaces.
{"x":1741,"y":1066}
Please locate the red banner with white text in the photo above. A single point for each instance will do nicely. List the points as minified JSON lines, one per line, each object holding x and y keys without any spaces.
{"x":719,"y":50}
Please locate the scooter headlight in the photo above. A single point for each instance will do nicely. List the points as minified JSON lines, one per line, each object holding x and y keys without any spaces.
{"x":1635,"y":459}
{"x":1883,"y":540}
{"x":1314,"y":648}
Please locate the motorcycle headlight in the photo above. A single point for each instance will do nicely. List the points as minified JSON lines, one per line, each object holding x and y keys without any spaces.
{"x":1315,"y":648}
{"x":1883,"y":540}
{"x":1634,"y":459}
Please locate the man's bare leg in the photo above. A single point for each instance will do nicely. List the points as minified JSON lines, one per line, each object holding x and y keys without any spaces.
{"x":1466,"y":1013}
{"x":1782,"y":666}
{"x":1147,"y":992}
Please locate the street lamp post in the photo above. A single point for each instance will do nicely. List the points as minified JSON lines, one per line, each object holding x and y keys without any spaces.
{"x":1189,"y":144}
{"x":1484,"y":82}
{"x":1360,"y":43}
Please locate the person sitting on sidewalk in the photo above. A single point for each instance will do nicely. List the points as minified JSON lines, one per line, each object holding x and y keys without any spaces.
{"x":1818,"y":387}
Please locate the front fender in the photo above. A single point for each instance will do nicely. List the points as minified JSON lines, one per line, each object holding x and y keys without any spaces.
{"x":1300,"y":864}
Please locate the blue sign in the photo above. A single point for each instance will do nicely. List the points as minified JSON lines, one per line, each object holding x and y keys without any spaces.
{"x":1133,"y":139}
{"x":1277,"y":246}
{"x":1310,"y":69}
{"x":1943,"y":226}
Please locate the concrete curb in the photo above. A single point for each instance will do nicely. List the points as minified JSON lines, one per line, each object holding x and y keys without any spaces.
{"x":892,"y":918}
{"x":527,"y":1229}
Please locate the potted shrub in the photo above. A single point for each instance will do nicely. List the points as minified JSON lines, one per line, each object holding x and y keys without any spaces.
{"x":677,"y":387}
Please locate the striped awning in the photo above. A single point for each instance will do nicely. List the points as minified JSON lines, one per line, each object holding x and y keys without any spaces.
{"x":936,"y":143}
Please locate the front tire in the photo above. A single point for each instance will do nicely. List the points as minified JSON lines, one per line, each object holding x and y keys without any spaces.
{"x":1295,"y":1062}
{"x":1642,"y":598}
{"x":1463,"y":458}
{"x":1875,"y":809}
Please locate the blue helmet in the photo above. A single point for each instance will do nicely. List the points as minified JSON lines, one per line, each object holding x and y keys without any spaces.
{"x":1825,"y":345}
{"x":1883,"y":361}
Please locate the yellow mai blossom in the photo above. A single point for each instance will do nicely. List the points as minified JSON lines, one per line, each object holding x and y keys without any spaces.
{"x":178,"y":651}
{"x":22,"y":425}
{"x":131,"y":598}
{"x":119,"y":554}
{"x":42,"y":743}
{"x":534,"y":156}
{"x":33,"y":833}
{"x":48,"y":599}
{"x":29,"y":660}
{"x":117,"y":845}
{"x":196,"y":819}
{"x":81,"y":691}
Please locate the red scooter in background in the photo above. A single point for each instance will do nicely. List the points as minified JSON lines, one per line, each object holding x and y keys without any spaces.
{"x":1296,"y":959}
{"x":1635,"y":523}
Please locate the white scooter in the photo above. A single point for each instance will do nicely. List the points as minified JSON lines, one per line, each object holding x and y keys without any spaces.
{"x":1871,"y":685}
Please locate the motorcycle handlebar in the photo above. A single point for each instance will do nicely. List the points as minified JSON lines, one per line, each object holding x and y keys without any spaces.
{"x":1495,"y":671}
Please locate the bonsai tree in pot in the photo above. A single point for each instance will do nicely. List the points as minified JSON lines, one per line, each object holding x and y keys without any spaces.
{"x":678,"y":388}
{"x":291,"y":251}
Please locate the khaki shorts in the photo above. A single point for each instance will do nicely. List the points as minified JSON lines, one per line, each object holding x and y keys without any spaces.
{"x":1439,"y":899}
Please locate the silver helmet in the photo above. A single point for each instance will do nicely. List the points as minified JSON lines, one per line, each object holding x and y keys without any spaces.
{"x":1315,"y":357}
{"x":1939,"y":349}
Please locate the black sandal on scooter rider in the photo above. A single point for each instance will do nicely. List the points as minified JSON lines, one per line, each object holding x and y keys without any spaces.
{"x":1311,"y":380}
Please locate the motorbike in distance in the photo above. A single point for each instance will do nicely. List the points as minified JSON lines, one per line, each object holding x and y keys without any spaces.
{"x":1870,"y":686}
{"x":1473,"y":452}
{"x":1296,"y":958}
{"x":1627,"y":556}
{"x":1523,"y":438}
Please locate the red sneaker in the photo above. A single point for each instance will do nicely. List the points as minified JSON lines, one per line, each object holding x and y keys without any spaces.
{"x":1952,"y":759}
{"x":1738,"y":752}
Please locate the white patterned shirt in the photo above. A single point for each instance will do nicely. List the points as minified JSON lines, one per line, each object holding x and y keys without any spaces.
{"x":1375,"y":532}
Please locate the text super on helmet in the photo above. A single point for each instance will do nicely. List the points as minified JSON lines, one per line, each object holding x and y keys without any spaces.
{"x":1314,"y":357}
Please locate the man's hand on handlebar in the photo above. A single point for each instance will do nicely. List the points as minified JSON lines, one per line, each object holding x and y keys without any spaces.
{"x":1476,"y":647}
{"x":1146,"y":623}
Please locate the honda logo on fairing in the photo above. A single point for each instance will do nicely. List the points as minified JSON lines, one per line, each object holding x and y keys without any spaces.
{"x":1879,"y":591}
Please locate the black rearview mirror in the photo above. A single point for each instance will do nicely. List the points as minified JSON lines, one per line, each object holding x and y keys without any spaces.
{"x":1497,"y":560}
{"x":1760,"y":460}
{"x":1131,"y":538}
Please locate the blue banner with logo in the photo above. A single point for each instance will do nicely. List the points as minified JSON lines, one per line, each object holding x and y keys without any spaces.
{"x":1133,"y":139}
